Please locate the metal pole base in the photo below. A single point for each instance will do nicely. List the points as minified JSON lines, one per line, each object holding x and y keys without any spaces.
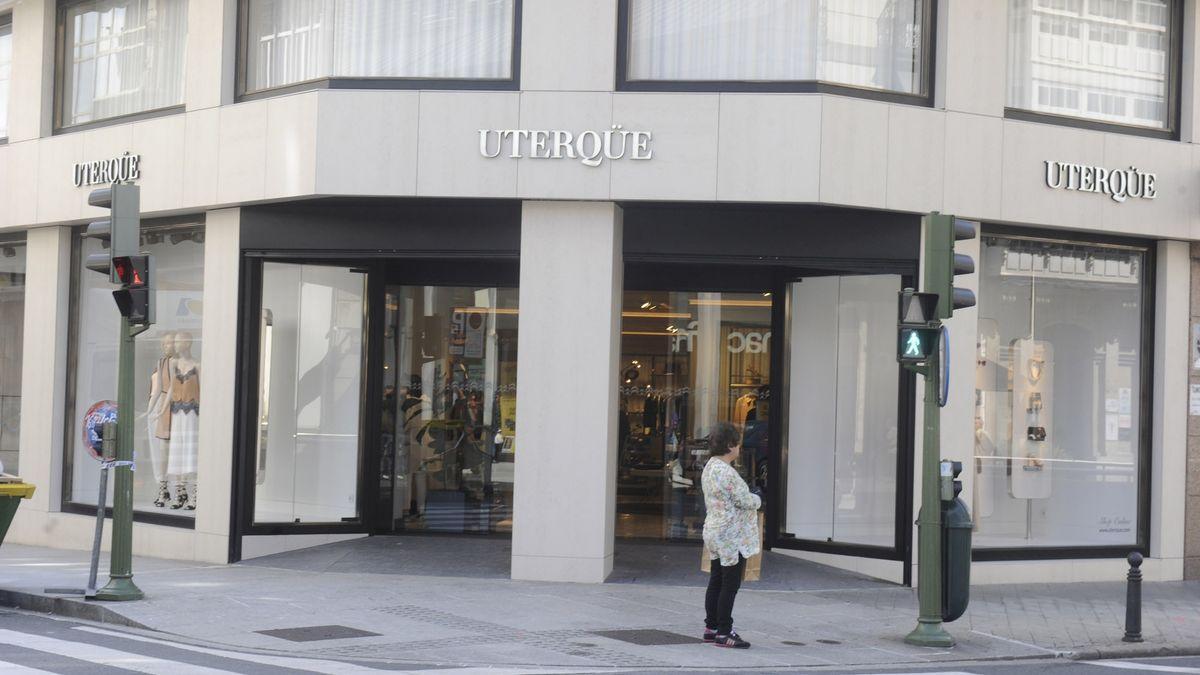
{"x":929,"y":635}
{"x":120,"y":588}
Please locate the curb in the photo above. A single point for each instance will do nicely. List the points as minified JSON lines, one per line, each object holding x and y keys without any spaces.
{"x":1131,"y":651}
{"x":66,"y":607}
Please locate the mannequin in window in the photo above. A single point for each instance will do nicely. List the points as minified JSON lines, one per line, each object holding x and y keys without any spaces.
{"x":185,"y":423}
{"x":158,"y":416}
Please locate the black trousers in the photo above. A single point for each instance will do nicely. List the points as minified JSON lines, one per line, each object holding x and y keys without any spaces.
{"x":723,"y":585}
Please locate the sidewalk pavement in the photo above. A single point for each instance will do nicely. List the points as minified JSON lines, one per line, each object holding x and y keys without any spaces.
{"x":486,"y":620}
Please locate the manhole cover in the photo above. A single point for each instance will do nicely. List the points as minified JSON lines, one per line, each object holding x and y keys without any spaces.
{"x":793,"y":643}
{"x":829,"y":642}
{"x":647,"y":637}
{"x":314,"y":633}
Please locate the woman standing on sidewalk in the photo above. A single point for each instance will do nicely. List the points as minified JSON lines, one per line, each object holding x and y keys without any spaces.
{"x":730,"y":533}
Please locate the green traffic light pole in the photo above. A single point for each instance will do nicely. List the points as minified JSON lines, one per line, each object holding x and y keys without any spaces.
{"x":120,"y":584}
{"x":929,"y":631}
{"x":940,"y":268}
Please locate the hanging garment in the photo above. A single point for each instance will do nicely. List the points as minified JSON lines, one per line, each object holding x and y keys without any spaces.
{"x":185,"y":423}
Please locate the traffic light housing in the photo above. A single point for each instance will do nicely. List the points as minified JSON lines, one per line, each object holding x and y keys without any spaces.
{"x":120,"y":232}
{"x":942,"y":264}
{"x":917,"y":332}
{"x":135,"y":298}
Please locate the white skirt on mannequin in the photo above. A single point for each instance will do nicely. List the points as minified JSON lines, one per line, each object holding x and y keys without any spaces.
{"x":185,"y":437}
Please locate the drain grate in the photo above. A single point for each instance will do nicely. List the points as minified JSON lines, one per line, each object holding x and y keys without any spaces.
{"x":647,"y":637}
{"x":793,"y":643}
{"x":829,"y":642}
{"x":315,"y":633}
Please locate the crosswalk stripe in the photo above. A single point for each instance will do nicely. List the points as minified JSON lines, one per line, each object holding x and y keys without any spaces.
{"x":314,"y":665}
{"x":103,"y":655}
{"x":18,"y":669}
{"x":1144,"y":667}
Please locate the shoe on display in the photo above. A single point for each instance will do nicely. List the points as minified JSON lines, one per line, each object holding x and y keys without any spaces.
{"x":164,"y":494}
{"x":732,"y":641}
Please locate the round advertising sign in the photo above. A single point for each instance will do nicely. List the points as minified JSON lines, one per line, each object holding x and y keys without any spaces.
{"x":94,"y":420}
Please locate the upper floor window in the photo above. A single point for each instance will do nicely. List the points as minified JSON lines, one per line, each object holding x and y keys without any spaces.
{"x":1114,"y":60}
{"x":290,"y":42}
{"x":877,"y":45}
{"x":120,"y":57}
{"x":5,"y":70}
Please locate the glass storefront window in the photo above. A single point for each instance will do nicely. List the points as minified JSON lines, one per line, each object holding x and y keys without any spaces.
{"x":1058,"y":422}
{"x":310,"y":393}
{"x":293,"y":41}
{"x":449,"y":415}
{"x":12,"y":336}
{"x":841,"y":427}
{"x":1105,"y":60}
{"x":876,"y":44}
{"x":688,"y":361}
{"x":5,"y":70}
{"x":167,"y":374}
{"x":121,"y":57}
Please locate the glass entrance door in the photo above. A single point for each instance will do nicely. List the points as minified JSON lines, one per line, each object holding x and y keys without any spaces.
{"x":842,"y":440}
{"x":688,"y":361}
{"x":448,"y":416}
{"x":310,"y":363}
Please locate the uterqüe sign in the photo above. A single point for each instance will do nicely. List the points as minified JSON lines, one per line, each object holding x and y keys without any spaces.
{"x":1118,"y":184}
{"x":589,"y":147}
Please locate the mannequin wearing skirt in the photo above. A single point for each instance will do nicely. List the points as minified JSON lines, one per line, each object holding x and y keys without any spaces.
{"x":185,"y":422}
{"x":158,"y":417}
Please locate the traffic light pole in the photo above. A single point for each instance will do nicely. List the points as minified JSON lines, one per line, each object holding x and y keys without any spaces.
{"x":120,"y":574}
{"x":929,"y":631}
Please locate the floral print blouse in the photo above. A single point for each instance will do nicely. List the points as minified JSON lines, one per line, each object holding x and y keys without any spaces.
{"x":731,"y":526}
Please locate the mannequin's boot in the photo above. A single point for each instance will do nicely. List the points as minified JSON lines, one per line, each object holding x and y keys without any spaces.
{"x":164,"y":494}
{"x":181,"y":496}
{"x":191,"y":505}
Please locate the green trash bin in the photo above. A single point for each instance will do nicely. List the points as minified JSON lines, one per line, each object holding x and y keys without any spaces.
{"x":11,"y":495}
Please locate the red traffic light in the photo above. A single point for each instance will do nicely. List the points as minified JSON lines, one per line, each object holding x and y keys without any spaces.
{"x":132,"y":270}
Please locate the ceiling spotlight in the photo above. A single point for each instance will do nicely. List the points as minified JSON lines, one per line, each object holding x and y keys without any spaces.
{"x":646,"y":305}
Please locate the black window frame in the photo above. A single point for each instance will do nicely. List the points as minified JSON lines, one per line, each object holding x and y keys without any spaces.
{"x":929,"y":30}
{"x":60,"y":63}
{"x":512,"y":83}
{"x":1145,"y":403}
{"x":1173,"y":103}
{"x":70,"y":428}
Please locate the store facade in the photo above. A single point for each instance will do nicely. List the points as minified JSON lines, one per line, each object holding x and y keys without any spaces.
{"x":508,"y":293}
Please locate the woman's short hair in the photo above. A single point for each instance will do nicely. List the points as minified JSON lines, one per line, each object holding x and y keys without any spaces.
{"x":722,"y":437}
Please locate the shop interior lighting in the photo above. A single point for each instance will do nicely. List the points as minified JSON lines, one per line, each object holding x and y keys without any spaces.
{"x":656,"y":315}
{"x":729,"y":303}
{"x":646,"y":305}
{"x":647,"y":332}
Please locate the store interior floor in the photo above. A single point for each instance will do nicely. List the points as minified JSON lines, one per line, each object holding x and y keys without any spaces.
{"x":636,"y":561}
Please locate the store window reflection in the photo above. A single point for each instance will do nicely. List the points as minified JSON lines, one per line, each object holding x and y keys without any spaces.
{"x":12,"y":333}
{"x":1058,"y":423}
{"x":448,"y":432}
{"x":840,"y":438}
{"x":688,"y":361}
{"x":310,"y":369}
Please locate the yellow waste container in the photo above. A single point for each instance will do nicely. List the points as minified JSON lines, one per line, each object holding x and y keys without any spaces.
{"x":11,"y":495}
